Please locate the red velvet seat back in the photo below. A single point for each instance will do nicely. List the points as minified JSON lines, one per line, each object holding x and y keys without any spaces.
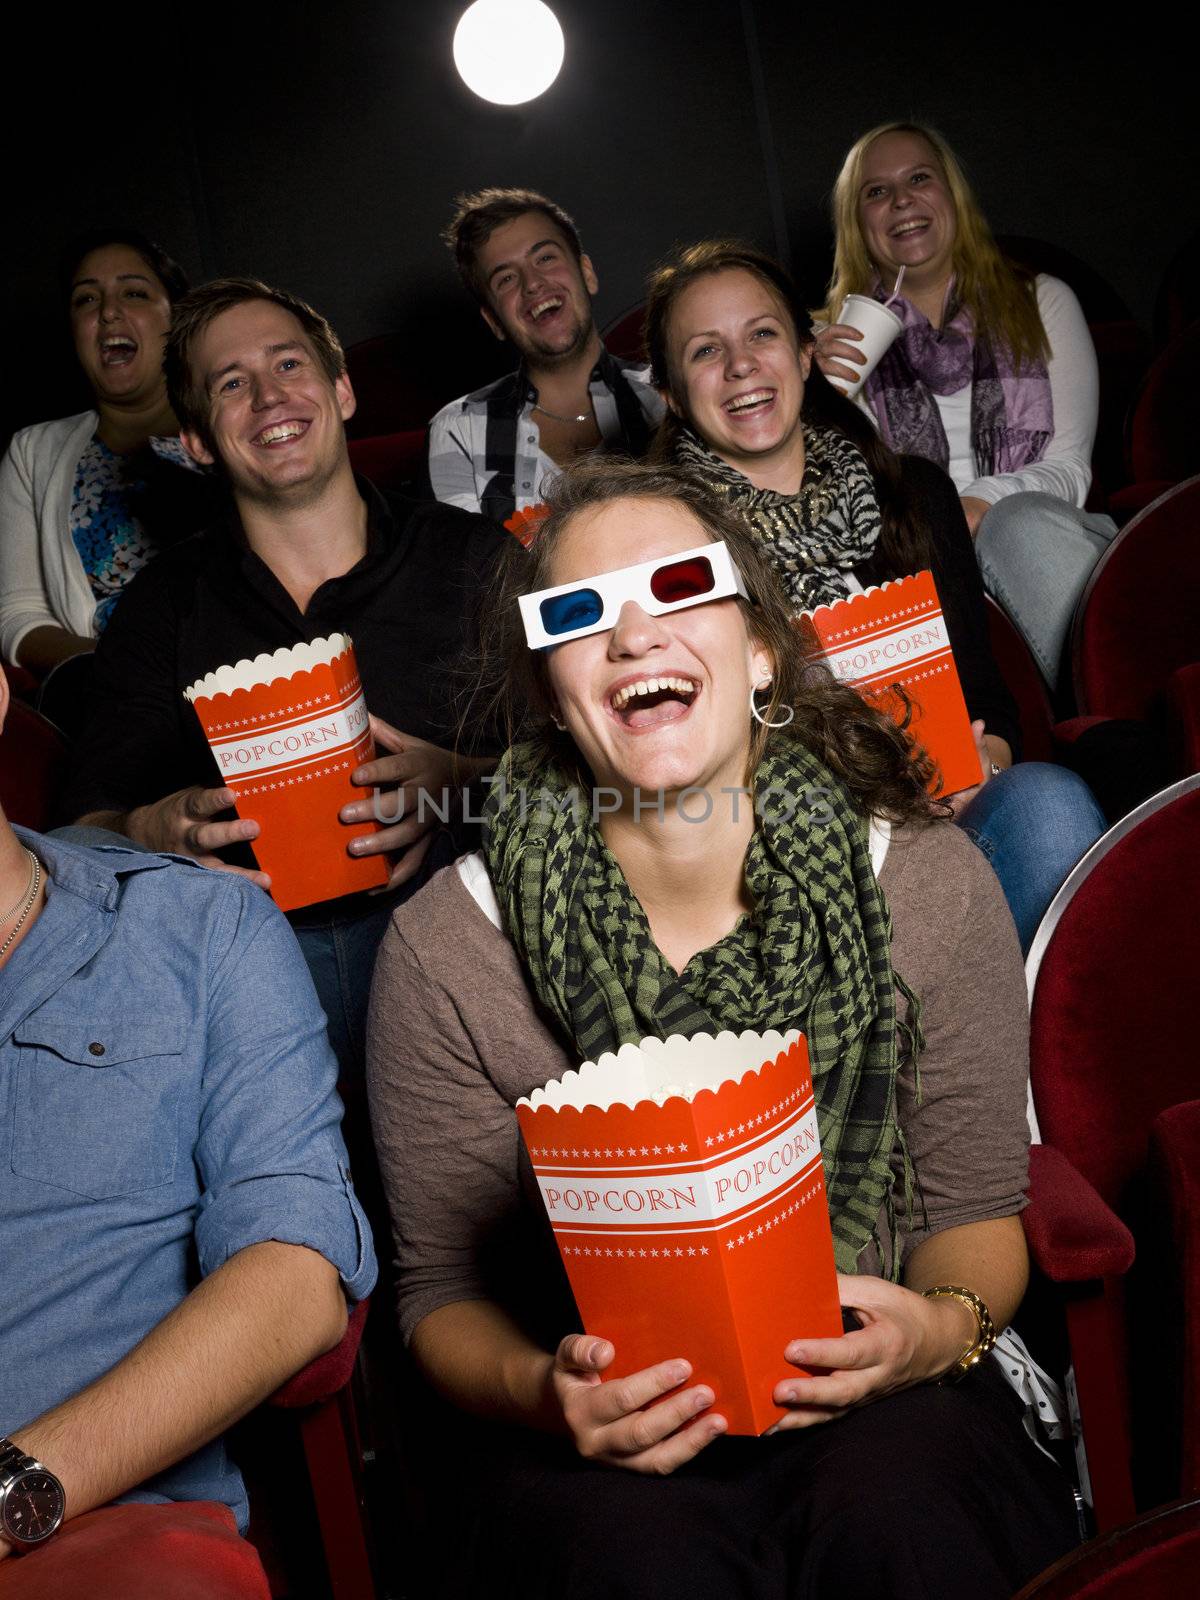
{"x":1155,"y":1558}
{"x":625,"y":336}
{"x":391,"y":389}
{"x":1178,"y":292}
{"x":1123,"y":354}
{"x":1162,"y":439}
{"x":32,"y":760}
{"x":1024,"y":683}
{"x":1114,"y":1038}
{"x":393,"y":461}
{"x":1139,"y":619}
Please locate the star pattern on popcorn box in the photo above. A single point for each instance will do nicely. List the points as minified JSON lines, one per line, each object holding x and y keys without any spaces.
{"x":619,"y":1253}
{"x":615,"y":1153}
{"x":862,"y":628}
{"x":633,"y":1152}
{"x":287,"y":711}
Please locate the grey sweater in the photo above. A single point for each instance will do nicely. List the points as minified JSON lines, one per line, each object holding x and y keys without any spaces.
{"x":456,"y":1038}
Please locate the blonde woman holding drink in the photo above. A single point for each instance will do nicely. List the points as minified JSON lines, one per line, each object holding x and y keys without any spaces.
{"x":993,"y":377}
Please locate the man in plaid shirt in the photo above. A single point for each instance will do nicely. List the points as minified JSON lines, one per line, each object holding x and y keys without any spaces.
{"x":519,"y":254}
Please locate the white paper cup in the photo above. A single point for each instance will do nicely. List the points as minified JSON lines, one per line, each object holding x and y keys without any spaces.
{"x":879,"y":326}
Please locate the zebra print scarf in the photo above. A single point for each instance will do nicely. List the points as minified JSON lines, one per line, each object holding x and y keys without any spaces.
{"x":814,"y":538}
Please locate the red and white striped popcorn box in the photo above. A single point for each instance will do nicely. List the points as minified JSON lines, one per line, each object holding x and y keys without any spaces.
{"x":684,"y":1185}
{"x":895,"y":634}
{"x":287,"y":730}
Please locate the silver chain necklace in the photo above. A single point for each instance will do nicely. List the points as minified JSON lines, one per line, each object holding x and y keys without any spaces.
{"x":554,"y":416}
{"x":25,"y":902}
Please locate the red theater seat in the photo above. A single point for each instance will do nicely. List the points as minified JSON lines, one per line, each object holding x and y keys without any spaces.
{"x":1123,"y":351}
{"x":1155,"y":1558}
{"x":32,"y":762}
{"x":1024,"y":681}
{"x":22,"y":683}
{"x":393,"y":460}
{"x":624,"y":334}
{"x":1122,"y":355}
{"x":1162,"y":441}
{"x":1112,"y":1046}
{"x":389,"y":392}
{"x":1177,"y":298}
{"x":321,"y":1397}
{"x":1138,"y":621}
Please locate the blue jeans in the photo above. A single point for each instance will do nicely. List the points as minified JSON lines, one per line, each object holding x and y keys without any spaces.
{"x":1033,"y":822}
{"x":1036,"y":554}
{"x":341,"y":957}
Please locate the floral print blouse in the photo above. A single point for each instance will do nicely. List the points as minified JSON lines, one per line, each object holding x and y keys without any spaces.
{"x":105,"y":525}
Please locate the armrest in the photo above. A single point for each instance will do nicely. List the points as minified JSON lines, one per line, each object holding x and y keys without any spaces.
{"x":22,"y":683}
{"x":1133,"y":497}
{"x":328,"y":1373}
{"x":1071,"y":729}
{"x":1072,"y":1235}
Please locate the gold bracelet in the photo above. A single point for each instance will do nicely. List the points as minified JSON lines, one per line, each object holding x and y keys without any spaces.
{"x":985,"y":1338}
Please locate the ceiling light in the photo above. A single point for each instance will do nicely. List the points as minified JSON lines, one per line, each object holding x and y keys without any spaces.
{"x":508,"y":51}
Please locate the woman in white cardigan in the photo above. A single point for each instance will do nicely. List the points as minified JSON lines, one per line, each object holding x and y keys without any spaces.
{"x":86,"y":500}
{"x":994,"y":376}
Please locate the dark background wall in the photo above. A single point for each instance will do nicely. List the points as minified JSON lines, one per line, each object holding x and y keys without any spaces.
{"x":319,"y":146}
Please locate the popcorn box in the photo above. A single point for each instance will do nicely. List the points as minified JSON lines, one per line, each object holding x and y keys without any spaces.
{"x":895,"y":634}
{"x":287,"y":730}
{"x":684,"y":1185}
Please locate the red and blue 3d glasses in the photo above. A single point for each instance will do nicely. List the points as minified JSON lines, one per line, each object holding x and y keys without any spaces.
{"x":573,"y":610}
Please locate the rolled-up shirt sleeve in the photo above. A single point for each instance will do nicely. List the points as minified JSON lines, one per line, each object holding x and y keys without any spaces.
{"x":270,"y":1154}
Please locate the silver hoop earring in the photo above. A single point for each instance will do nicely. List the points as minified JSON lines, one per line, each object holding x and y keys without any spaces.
{"x":757,"y":714}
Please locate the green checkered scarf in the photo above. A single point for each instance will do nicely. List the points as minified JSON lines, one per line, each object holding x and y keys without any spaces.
{"x":815,"y":953}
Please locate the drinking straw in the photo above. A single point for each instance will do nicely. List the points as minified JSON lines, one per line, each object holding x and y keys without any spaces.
{"x":895,"y":287}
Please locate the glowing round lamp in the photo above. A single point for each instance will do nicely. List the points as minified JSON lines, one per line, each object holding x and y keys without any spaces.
{"x":508,"y":51}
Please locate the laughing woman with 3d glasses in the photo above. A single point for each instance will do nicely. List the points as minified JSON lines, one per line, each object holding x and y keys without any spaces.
{"x":643,"y":648}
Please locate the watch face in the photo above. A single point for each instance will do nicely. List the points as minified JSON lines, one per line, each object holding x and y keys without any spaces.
{"x":33,"y":1508}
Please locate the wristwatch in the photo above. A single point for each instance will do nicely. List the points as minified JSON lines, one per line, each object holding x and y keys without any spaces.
{"x":985,"y":1338}
{"x":32,"y":1501}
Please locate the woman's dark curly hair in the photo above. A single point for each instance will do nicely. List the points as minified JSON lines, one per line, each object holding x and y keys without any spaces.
{"x":903,"y":540}
{"x":865,"y":749}
{"x":164,"y":267}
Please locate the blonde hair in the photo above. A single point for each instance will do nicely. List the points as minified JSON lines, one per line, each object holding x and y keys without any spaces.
{"x":998,"y":293}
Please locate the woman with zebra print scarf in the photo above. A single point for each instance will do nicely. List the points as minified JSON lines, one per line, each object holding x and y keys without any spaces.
{"x":750,"y":415}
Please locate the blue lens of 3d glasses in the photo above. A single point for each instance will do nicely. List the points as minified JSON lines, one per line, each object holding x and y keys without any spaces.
{"x":564,"y":613}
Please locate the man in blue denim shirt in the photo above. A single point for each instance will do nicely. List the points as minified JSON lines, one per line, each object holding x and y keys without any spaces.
{"x":178,"y":1234}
